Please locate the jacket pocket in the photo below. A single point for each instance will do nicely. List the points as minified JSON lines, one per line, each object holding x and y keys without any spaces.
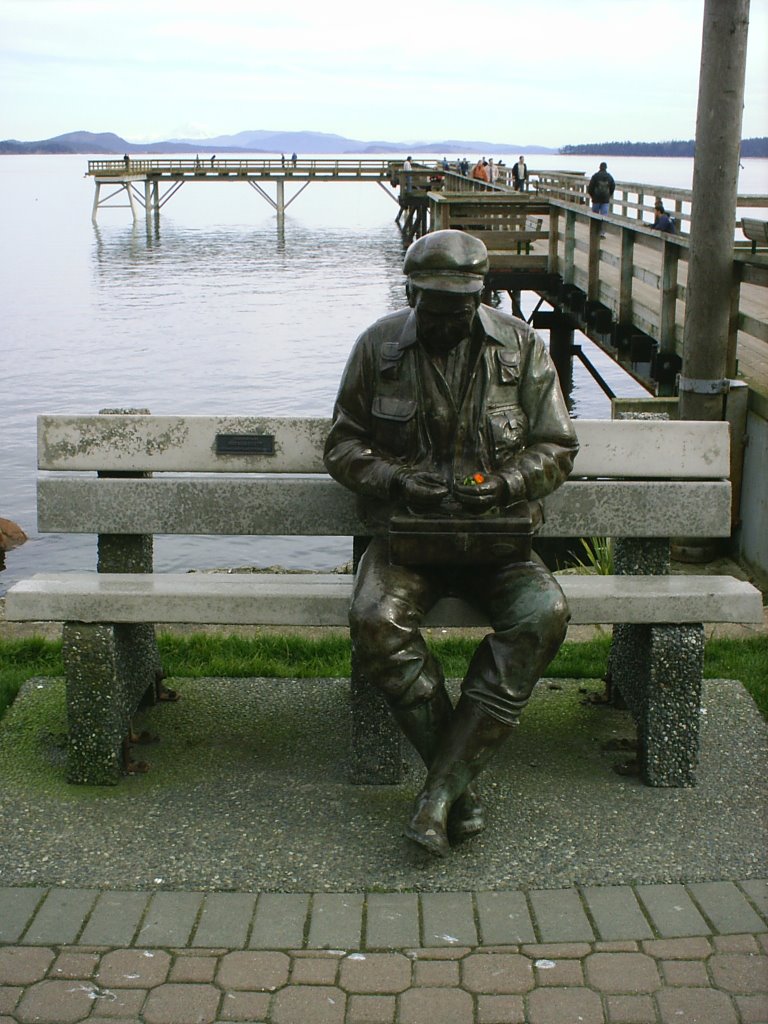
{"x":394,"y":424}
{"x":508,"y":367}
{"x":507,"y":430}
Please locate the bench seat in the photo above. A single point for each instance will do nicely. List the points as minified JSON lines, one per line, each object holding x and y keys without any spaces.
{"x":322,"y":599}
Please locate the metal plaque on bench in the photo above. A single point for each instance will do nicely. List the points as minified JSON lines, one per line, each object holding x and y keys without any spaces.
{"x":461,"y":539}
{"x":245,"y":444}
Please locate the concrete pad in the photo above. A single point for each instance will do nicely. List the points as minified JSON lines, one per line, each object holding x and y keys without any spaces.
{"x":248,"y":792}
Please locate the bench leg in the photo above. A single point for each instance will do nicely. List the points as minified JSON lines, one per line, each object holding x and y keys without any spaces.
{"x":132,"y":553}
{"x":658,"y":671}
{"x":107,"y":674}
{"x":376,"y":755}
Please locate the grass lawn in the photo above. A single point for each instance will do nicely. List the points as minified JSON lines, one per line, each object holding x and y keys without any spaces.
{"x":292,"y":656}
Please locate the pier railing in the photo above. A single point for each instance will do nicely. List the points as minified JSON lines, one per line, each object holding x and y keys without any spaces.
{"x":618,"y":274}
{"x":207,"y":167}
{"x":636,"y":199}
{"x":632,"y":199}
{"x":640,"y":275}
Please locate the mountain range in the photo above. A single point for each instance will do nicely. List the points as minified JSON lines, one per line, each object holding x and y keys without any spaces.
{"x":259,"y":141}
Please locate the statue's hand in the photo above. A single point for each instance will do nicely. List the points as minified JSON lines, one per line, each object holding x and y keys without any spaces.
{"x":422,"y":490}
{"x":478,"y":497}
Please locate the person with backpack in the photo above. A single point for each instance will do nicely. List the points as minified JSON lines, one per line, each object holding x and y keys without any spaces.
{"x":600,"y":190}
{"x":480,"y":170}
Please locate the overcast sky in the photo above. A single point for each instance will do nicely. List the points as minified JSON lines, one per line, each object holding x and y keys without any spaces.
{"x":549,"y":72}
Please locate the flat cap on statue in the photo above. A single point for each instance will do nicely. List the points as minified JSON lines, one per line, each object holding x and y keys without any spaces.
{"x":447,"y":261}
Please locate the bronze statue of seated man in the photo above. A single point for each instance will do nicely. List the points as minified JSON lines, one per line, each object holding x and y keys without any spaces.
{"x":450,"y":426}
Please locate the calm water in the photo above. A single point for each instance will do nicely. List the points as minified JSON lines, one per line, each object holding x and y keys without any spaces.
{"x":217,"y":312}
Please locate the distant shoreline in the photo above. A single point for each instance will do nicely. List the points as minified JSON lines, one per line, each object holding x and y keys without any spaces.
{"x":5,"y":150}
{"x":109,"y":144}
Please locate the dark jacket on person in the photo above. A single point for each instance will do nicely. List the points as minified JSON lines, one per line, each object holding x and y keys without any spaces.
{"x":516,"y":178}
{"x":664,"y":222}
{"x":394,"y":409}
{"x":601,"y":187}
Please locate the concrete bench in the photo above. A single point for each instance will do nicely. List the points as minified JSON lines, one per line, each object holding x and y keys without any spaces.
{"x":756,"y":231}
{"x":127,"y":477}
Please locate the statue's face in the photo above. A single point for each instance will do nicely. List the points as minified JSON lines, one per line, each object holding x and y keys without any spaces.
{"x":443,"y":319}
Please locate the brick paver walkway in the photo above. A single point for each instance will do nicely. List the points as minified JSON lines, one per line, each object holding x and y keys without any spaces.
{"x":661,"y":954}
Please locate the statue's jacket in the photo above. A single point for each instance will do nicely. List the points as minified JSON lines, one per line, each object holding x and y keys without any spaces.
{"x":395,"y":409}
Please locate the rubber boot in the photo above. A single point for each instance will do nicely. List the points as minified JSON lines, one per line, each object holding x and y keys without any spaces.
{"x":425,"y":726}
{"x":472,"y":739}
{"x":426,"y":723}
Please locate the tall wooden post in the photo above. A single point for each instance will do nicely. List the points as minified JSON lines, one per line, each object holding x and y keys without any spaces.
{"x":96,"y":193}
{"x":128,"y":186}
{"x":280,"y":200}
{"x":715,"y":180}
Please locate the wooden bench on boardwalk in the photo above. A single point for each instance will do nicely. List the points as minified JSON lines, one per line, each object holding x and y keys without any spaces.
{"x":756,"y":231}
{"x":515,"y":236}
{"x":127,"y":476}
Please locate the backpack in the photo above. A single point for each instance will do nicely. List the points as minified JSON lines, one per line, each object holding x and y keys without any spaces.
{"x":602,"y":193}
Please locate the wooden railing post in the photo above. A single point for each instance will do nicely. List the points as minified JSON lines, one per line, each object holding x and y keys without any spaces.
{"x":625,"y":277}
{"x":570,"y":245}
{"x":731,"y":361}
{"x":553,"y":262}
{"x":670,"y":254}
{"x":593,"y":267}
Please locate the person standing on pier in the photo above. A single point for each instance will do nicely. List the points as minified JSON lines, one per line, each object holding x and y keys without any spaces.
{"x":520,"y":175}
{"x":408,"y":172}
{"x":480,"y":170}
{"x":450,"y":418}
{"x":600,"y":190}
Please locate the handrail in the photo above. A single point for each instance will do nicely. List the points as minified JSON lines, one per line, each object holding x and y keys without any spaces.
{"x":617,"y":281}
{"x":632,"y":199}
{"x":635,"y":199}
{"x":637,"y":274}
{"x":215,"y":164}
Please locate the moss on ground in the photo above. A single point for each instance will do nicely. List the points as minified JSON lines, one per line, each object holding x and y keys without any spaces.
{"x":221,"y":726}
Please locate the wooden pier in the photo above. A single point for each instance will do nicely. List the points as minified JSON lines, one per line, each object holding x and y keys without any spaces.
{"x":150,"y":184}
{"x":615,"y":278}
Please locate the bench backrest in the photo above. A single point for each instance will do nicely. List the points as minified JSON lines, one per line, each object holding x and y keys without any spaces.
{"x":264,"y":476}
{"x":755,"y":230}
